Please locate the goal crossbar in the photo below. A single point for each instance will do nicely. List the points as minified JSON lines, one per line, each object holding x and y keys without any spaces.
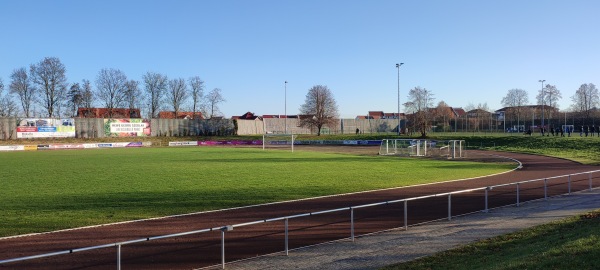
{"x":283,"y":140}
{"x":419,"y":147}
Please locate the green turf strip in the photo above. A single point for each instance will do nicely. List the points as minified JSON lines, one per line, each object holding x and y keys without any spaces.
{"x":572,"y":243}
{"x":50,"y":190}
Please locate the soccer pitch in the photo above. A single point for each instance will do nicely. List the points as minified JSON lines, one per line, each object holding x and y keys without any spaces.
{"x":50,"y":190}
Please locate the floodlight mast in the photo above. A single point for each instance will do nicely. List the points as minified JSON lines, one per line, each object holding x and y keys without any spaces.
{"x":285,"y":108}
{"x":543,"y":97}
{"x":398,"y":67}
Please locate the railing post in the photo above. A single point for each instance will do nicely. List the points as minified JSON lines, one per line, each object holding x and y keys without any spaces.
{"x":449,"y":207}
{"x":405,"y":215}
{"x":119,"y":257}
{"x":287,"y":253}
{"x":222,"y":248}
{"x":569,"y":184}
{"x":545,"y":189}
{"x":223,"y":230}
{"x":517,"y":194}
{"x":352,"y":223}
{"x":486,"y":198}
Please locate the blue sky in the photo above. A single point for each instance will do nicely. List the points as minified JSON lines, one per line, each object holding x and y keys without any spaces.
{"x":465,"y":52}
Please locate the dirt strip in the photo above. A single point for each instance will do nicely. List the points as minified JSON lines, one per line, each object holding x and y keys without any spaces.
{"x":203,"y":250}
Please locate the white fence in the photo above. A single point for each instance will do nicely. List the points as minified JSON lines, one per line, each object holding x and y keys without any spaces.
{"x":585,"y":182}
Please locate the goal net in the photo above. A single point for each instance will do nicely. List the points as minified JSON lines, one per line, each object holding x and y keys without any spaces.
{"x":403,"y":147}
{"x":281,"y":141}
{"x":420,"y":148}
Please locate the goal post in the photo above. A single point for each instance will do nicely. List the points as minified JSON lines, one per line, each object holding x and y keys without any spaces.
{"x":403,"y":147}
{"x":420,"y":148}
{"x":280,"y":141}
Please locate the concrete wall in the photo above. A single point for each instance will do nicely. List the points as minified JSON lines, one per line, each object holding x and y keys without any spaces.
{"x":342,"y":126}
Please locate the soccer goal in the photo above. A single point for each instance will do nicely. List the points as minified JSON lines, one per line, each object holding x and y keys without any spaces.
{"x":456,"y":149}
{"x":403,"y":147}
{"x":420,"y":148}
{"x":280,"y":141}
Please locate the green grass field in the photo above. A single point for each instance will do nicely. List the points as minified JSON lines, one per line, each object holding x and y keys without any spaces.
{"x":50,"y":190}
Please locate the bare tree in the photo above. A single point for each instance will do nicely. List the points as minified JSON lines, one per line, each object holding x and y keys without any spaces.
{"x":420,"y":102}
{"x":516,"y":99}
{"x":1,"y":98}
{"x":483,"y":115}
{"x":197,"y":94}
{"x":7,"y":105}
{"x":213,"y":99}
{"x":319,"y":108}
{"x":110,"y":88}
{"x":468,"y":121}
{"x":133,"y":96}
{"x":585,"y":99}
{"x":87,"y":96}
{"x":74,"y":98}
{"x":549,"y":96}
{"x":177,"y":94}
{"x":444,"y":112}
{"x":50,"y":77}
{"x":20,"y":85}
{"x":155,"y":85}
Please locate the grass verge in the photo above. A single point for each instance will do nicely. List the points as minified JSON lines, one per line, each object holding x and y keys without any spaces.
{"x":572,"y":243}
{"x":585,"y":150}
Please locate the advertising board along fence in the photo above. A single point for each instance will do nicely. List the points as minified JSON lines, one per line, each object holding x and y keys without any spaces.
{"x":517,"y":201}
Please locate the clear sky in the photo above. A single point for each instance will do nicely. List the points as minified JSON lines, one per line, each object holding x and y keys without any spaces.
{"x":464,"y":51}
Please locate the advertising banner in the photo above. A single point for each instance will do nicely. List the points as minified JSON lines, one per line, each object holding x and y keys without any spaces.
{"x":12,"y":147}
{"x":185,"y":143}
{"x":119,"y":144}
{"x":126,"y":127}
{"x":90,"y":145}
{"x":46,"y":128}
{"x":66,"y":146}
{"x":30,"y":147}
{"x":236,"y":142}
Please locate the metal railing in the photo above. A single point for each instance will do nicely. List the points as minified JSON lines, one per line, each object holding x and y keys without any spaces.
{"x":351,"y":209}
